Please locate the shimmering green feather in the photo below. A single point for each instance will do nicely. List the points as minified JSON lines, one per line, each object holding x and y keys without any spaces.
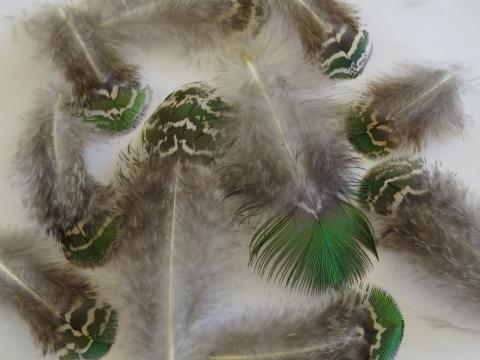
{"x":310,"y":254}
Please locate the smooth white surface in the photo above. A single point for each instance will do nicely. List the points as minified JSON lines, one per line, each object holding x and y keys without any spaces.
{"x":413,"y":30}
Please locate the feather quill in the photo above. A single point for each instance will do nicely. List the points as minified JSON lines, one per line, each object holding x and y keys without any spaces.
{"x":407,"y":110}
{"x":284,"y":161}
{"x":431,"y":219}
{"x":353,"y":325}
{"x":107,"y":91}
{"x":60,"y":192}
{"x":331,"y":34}
{"x":63,"y":311}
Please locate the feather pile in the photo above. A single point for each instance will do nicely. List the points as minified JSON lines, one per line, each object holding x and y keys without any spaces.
{"x":263,"y":147}
{"x":429,"y":217}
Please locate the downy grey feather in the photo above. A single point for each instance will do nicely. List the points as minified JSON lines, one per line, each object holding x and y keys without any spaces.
{"x":191,"y":23}
{"x":88,"y":60}
{"x":50,"y":159}
{"x":52,"y":297}
{"x":431,"y":219}
{"x":407,"y":110}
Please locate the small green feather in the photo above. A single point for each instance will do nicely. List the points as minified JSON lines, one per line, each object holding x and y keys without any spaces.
{"x":310,"y":254}
{"x":90,"y":244}
{"x":346,"y":53}
{"x":91,"y":328}
{"x":118,"y":110}
{"x":383,"y":324}
{"x":386,"y":186}
{"x":190,"y":119}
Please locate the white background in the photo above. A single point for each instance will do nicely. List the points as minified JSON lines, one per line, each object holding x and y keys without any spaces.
{"x":402,"y":30}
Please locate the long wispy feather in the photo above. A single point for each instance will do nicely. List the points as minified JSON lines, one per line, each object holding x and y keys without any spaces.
{"x":191,"y":23}
{"x":331,"y":34}
{"x":284,"y":161}
{"x":62,"y":309}
{"x":353,"y":325}
{"x":60,"y":192}
{"x":406,"y":110}
{"x":107,"y":91}
{"x":430,"y":218}
{"x":173,"y":251}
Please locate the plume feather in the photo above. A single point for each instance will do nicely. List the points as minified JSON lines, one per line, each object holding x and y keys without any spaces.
{"x":406,"y":110}
{"x":62,"y":309}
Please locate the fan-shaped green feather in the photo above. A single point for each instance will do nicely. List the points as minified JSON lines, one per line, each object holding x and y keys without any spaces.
{"x":310,"y":254}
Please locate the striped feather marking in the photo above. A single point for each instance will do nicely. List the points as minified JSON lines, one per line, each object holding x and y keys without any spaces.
{"x":370,"y":133}
{"x":383,"y":324}
{"x":386,"y":186}
{"x":346,"y":52}
{"x":91,"y":327}
{"x":90,"y":243}
{"x":117,"y":110}
{"x":189,"y":120}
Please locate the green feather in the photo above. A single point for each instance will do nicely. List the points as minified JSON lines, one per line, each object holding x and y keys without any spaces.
{"x":383,"y":324}
{"x":190,"y":119}
{"x":346,"y":53}
{"x":310,"y":254}
{"x":91,"y":329}
{"x":90,"y":244}
{"x":118,"y":110}
{"x":387,"y":185}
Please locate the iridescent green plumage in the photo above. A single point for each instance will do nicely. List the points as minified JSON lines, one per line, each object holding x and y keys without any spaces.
{"x":90,"y":243}
{"x":346,"y":52}
{"x":311,"y":254}
{"x":383,"y":324}
{"x":91,"y":329}
{"x":118,"y":110}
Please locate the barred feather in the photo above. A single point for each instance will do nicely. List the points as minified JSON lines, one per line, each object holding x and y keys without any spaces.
{"x":60,"y":192}
{"x":63,"y":311}
{"x":173,"y":253}
{"x":331,"y":34}
{"x":431,"y":219}
{"x":352,"y":326}
{"x":405,"y":111}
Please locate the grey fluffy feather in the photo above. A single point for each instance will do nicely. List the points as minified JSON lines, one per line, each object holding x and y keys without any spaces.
{"x":330,"y":329}
{"x":257,"y":169}
{"x":438,"y":232}
{"x":88,"y":60}
{"x":40,"y":286}
{"x":315,"y":19}
{"x":192,"y":23}
{"x":60,"y":192}
{"x":418,"y":104}
{"x":202,"y":245}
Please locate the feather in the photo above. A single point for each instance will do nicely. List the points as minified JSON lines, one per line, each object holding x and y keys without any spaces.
{"x":107,"y":91}
{"x":354,"y":325}
{"x":60,"y":192}
{"x":284,"y":160}
{"x":405,"y":110}
{"x":166,"y":185}
{"x":191,"y":23}
{"x":331,"y":35}
{"x":63,"y":311}
{"x":428,"y":217}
